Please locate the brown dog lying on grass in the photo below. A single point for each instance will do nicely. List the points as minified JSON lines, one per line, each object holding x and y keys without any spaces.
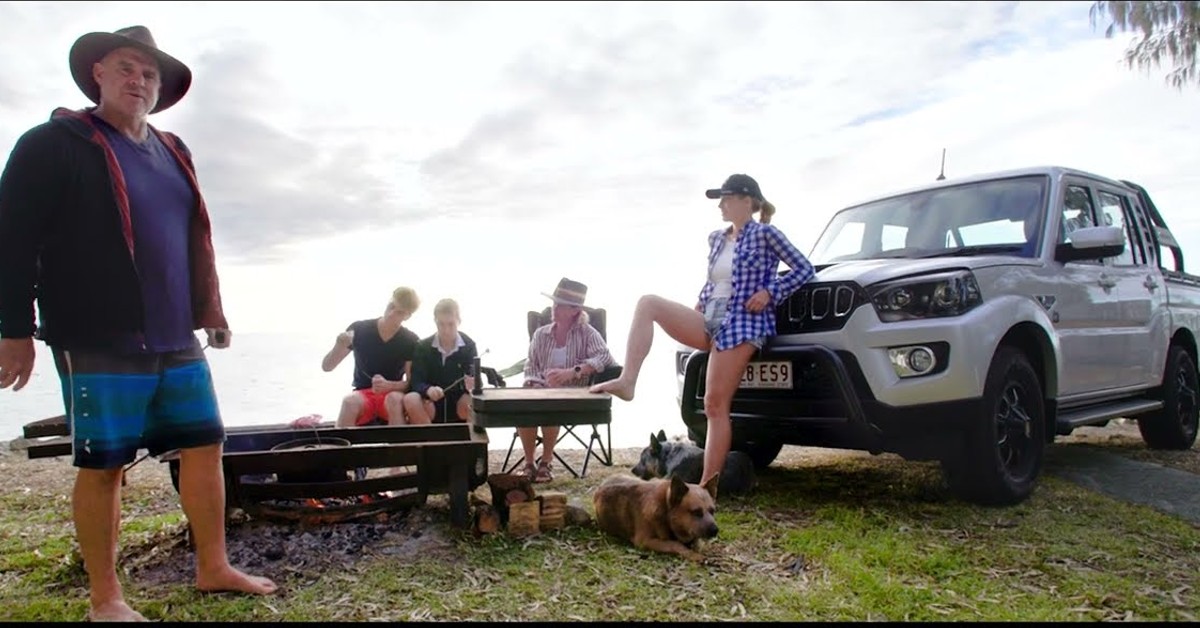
{"x":662,"y":515}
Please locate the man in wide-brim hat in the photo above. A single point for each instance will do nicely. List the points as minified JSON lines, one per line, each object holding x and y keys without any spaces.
{"x":103,"y":223}
{"x":174,"y":78}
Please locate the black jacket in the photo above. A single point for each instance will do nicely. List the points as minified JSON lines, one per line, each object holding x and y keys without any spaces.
{"x":66,"y":239}
{"x":428,"y":369}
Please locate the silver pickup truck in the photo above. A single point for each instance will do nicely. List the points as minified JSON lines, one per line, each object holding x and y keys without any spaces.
{"x":971,"y":321}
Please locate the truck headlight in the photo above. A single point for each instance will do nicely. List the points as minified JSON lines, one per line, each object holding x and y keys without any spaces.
{"x":926,"y":296}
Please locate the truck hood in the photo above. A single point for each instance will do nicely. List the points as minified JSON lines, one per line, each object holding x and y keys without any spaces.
{"x":872,"y":271}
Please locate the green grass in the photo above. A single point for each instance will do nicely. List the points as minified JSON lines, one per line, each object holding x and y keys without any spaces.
{"x":852,"y":539}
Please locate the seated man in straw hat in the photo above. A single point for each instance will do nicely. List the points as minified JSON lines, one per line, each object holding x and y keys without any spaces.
{"x":102,"y":220}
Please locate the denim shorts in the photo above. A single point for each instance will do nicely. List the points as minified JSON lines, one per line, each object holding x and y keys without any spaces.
{"x":714,"y":314}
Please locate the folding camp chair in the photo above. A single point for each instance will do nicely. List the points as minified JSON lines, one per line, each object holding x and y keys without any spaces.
{"x":597,"y":446}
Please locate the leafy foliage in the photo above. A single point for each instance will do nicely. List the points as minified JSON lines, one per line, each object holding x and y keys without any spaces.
{"x":1167,"y":31}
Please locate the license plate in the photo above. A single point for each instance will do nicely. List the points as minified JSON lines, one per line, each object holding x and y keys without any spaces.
{"x":767,"y":375}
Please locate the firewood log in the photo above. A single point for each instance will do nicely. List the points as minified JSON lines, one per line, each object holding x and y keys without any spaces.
{"x":523,"y":519}
{"x":552,"y":501}
{"x":502,"y":484}
{"x":552,"y":522}
{"x":487,"y":520}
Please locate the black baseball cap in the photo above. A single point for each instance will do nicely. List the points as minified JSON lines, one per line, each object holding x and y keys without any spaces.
{"x":741,"y":184}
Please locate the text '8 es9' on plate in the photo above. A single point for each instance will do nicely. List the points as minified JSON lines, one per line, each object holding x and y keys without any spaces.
{"x":767,"y":375}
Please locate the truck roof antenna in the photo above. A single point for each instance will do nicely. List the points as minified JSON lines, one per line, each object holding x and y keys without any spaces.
{"x":942,"y":174}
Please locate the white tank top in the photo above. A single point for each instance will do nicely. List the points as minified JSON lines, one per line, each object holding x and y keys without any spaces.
{"x":722,"y":272}
{"x":558,"y":358}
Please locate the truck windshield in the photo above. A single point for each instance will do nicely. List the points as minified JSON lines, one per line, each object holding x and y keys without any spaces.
{"x":1000,"y":216}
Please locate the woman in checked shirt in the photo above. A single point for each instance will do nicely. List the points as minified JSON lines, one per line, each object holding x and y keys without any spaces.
{"x":735,"y":312}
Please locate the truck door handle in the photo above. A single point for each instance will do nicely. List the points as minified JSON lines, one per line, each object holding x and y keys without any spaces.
{"x":1150,"y":284}
{"x":1106,"y":283}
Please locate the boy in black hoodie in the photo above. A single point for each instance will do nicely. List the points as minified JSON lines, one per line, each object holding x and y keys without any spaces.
{"x":440,"y":374}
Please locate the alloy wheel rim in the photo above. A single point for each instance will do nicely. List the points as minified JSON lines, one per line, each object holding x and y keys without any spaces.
{"x":1014,"y":430}
{"x":1186,"y":396}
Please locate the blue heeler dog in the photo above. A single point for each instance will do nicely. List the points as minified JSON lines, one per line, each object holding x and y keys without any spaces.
{"x":664,"y":458}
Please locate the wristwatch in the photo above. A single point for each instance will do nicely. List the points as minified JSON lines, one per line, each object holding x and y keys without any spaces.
{"x":578,"y":369}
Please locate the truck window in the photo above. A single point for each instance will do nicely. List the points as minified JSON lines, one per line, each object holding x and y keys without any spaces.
{"x":990,"y":232}
{"x":893,"y":237}
{"x":1006,"y":213}
{"x":1139,"y":229}
{"x":1112,"y":214}
{"x":1165,"y":253}
{"x":848,"y":241}
{"x":1076,"y":212}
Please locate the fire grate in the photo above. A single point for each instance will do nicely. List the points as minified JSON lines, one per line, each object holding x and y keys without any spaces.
{"x":282,"y":498}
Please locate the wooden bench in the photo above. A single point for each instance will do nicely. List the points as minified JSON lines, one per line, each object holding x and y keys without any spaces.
{"x":564,"y":407}
{"x":449,"y":459}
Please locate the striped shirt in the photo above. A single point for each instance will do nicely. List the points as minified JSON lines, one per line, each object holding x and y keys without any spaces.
{"x":756,"y":255}
{"x":584,"y":346}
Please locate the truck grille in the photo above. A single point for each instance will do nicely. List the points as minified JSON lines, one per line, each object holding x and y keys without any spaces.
{"x":819,"y":307}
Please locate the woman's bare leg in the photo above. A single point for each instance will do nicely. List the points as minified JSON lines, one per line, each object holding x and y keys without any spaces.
{"x":682,"y":323}
{"x":723,"y":375}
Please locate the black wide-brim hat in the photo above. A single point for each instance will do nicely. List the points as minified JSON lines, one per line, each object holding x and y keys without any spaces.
{"x":175,"y":77}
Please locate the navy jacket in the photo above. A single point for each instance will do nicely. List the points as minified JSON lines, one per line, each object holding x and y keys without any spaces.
{"x":429,"y":370}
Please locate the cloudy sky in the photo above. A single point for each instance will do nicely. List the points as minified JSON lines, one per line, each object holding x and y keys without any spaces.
{"x":484,"y":150}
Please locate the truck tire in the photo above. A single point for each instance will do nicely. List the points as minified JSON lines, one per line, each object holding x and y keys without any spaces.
{"x":761,"y":453}
{"x":1004,"y":445}
{"x":1174,"y":427}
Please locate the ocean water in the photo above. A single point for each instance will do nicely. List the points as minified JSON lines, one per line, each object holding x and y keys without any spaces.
{"x":266,"y":378}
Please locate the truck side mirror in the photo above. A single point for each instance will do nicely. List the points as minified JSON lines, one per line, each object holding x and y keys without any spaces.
{"x":1091,"y":243}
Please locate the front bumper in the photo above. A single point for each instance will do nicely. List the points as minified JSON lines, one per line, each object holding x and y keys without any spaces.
{"x":830,"y":405}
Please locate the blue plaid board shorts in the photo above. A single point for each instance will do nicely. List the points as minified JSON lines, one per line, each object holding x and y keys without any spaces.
{"x":714,"y":315}
{"x":117,"y":404}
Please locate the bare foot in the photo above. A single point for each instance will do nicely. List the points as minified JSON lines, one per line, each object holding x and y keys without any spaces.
{"x":114,"y":611}
{"x":230,"y":579}
{"x":616,"y":387}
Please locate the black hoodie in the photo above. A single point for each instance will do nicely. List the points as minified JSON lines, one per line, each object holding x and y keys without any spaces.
{"x":66,"y":239}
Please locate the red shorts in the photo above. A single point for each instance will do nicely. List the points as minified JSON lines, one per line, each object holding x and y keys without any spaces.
{"x":373,"y":407}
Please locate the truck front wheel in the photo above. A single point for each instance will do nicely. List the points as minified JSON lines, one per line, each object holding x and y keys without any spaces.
{"x":762,"y":453}
{"x":1174,"y":427}
{"x":1004,"y":445}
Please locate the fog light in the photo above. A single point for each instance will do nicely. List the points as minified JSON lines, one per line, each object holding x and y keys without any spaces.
{"x":920,"y":360}
{"x":912,"y":361}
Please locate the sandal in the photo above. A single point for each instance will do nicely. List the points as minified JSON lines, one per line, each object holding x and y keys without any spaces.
{"x":529,"y":471}
{"x":543,"y":473}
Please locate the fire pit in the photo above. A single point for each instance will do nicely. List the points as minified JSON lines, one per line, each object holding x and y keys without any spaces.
{"x":272,"y":474}
{"x":280,"y":472}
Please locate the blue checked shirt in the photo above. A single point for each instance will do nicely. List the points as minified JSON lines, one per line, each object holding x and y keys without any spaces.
{"x":756,"y":255}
